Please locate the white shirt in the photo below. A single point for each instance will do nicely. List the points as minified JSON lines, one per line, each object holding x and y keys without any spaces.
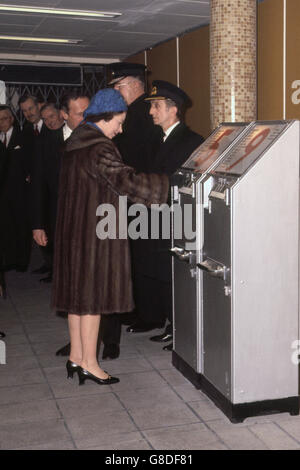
{"x":169,"y":130}
{"x":8,"y":136}
{"x":66,"y":131}
{"x":38,"y":125}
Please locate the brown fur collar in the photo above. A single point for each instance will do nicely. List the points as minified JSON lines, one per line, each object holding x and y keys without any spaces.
{"x":84,"y":136}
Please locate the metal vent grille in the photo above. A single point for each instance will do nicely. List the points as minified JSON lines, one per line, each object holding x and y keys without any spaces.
{"x":94,"y":78}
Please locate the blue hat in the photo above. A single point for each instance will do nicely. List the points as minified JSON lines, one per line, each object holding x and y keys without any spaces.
{"x":107,"y":100}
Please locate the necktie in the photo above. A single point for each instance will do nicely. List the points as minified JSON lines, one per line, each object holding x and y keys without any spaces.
{"x":5,"y":140}
{"x":36,"y":130}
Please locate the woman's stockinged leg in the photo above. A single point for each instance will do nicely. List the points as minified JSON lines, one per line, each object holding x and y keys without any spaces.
{"x":75,"y":338}
{"x":89,"y":327}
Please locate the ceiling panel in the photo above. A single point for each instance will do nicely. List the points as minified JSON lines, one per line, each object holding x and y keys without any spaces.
{"x":143,"y":24}
{"x":108,"y":5}
{"x":20,"y":19}
{"x":163,"y":24}
{"x":71,"y":28}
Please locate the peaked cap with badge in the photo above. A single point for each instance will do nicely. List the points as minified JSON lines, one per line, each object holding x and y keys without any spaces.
{"x":120,"y":70}
{"x":162,"y":90}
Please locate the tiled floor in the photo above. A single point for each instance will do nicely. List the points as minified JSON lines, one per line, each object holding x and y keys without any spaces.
{"x":153,"y":406}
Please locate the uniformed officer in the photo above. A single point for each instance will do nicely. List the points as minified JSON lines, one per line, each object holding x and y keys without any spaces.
{"x":154,"y":289}
{"x":138,"y":144}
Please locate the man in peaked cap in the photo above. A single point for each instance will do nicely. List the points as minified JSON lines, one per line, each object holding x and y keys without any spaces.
{"x":137,"y":144}
{"x":167,"y":105}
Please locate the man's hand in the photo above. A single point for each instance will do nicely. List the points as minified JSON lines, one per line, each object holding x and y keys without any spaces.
{"x":40,"y":237}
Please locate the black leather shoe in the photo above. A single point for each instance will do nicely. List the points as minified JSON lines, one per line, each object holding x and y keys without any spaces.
{"x":111,"y":351}
{"x":84,"y":374}
{"x":47,"y":279}
{"x":169,"y":347}
{"x":164,"y":338}
{"x":65,"y":351}
{"x":2,"y":335}
{"x":140,"y":327}
{"x":42,"y":270}
{"x":71,"y":369}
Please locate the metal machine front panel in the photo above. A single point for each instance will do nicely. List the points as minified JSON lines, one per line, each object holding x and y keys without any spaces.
{"x":216,"y":334}
{"x":216,"y":301}
{"x":184,"y":222}
{"x":185,"y":321}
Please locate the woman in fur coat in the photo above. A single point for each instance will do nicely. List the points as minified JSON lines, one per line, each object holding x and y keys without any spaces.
{"x":92,"y":276}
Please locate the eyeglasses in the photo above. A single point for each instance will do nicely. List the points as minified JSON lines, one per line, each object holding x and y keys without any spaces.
{"x":119,"y":85}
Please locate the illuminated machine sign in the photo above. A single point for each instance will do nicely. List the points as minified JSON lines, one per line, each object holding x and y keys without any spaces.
{"x":250,"y":147}
{"x":205,"y":155}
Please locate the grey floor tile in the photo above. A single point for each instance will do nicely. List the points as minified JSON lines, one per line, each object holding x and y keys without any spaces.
{"x":16,"y":350}
{"x":139,"y":380}
{"x":148,"y":397}
{"x":142,"y":444}
{"x":118,"y":439}
{"x":32,"y":434}
{"x":128,"y":365}
{"x":13,"y":339}
{"x":70,"y":388}
{"x":24,"y":393}
{"x":189,"y":393}
{"x":160,"y":361}
{"x":61,"y":336}
{"x":274,"y":437}
{"x":28,"y":412}
{"x":66,"y":445}
{"x":51,"y":360}
{"x":75,"y":407}
{"x":106,"y":423}
{"x":292,"y":426}
{"x":162,"y":415}
{"x":18,"y":363}
{"x":11,"y":327}
{"x":11,"y":378}
{"x":48,"y":348}
{"x":206,"y":410}
{"x":192,"y":436}
{"x":236,"y":437}
{"x":174,"y":377}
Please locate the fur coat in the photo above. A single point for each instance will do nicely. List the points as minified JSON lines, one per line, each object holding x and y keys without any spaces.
{"x":93,"y":276}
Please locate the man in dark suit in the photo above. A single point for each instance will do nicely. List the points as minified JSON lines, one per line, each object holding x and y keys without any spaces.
{"x":167,"y":105}
{"x":33,"y":133}
{"x":15,"y":239}
{"x":45,"y":177}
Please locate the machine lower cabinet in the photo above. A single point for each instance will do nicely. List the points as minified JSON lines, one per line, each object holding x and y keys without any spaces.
{"x":239,"y":412}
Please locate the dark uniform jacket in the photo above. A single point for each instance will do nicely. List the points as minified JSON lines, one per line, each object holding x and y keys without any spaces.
{"x":93,"y":276}
{"x":152,"y":257}
{"x":15,"y":233}
{"x":140,"y":139}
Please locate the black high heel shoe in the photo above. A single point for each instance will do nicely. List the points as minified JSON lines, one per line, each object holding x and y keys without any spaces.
{"x":71,"y":369}
{"x":84,"y":374}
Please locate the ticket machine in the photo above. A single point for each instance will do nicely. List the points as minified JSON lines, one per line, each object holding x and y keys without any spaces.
{"x":187,"y":239}
{"x":248,"y":274}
